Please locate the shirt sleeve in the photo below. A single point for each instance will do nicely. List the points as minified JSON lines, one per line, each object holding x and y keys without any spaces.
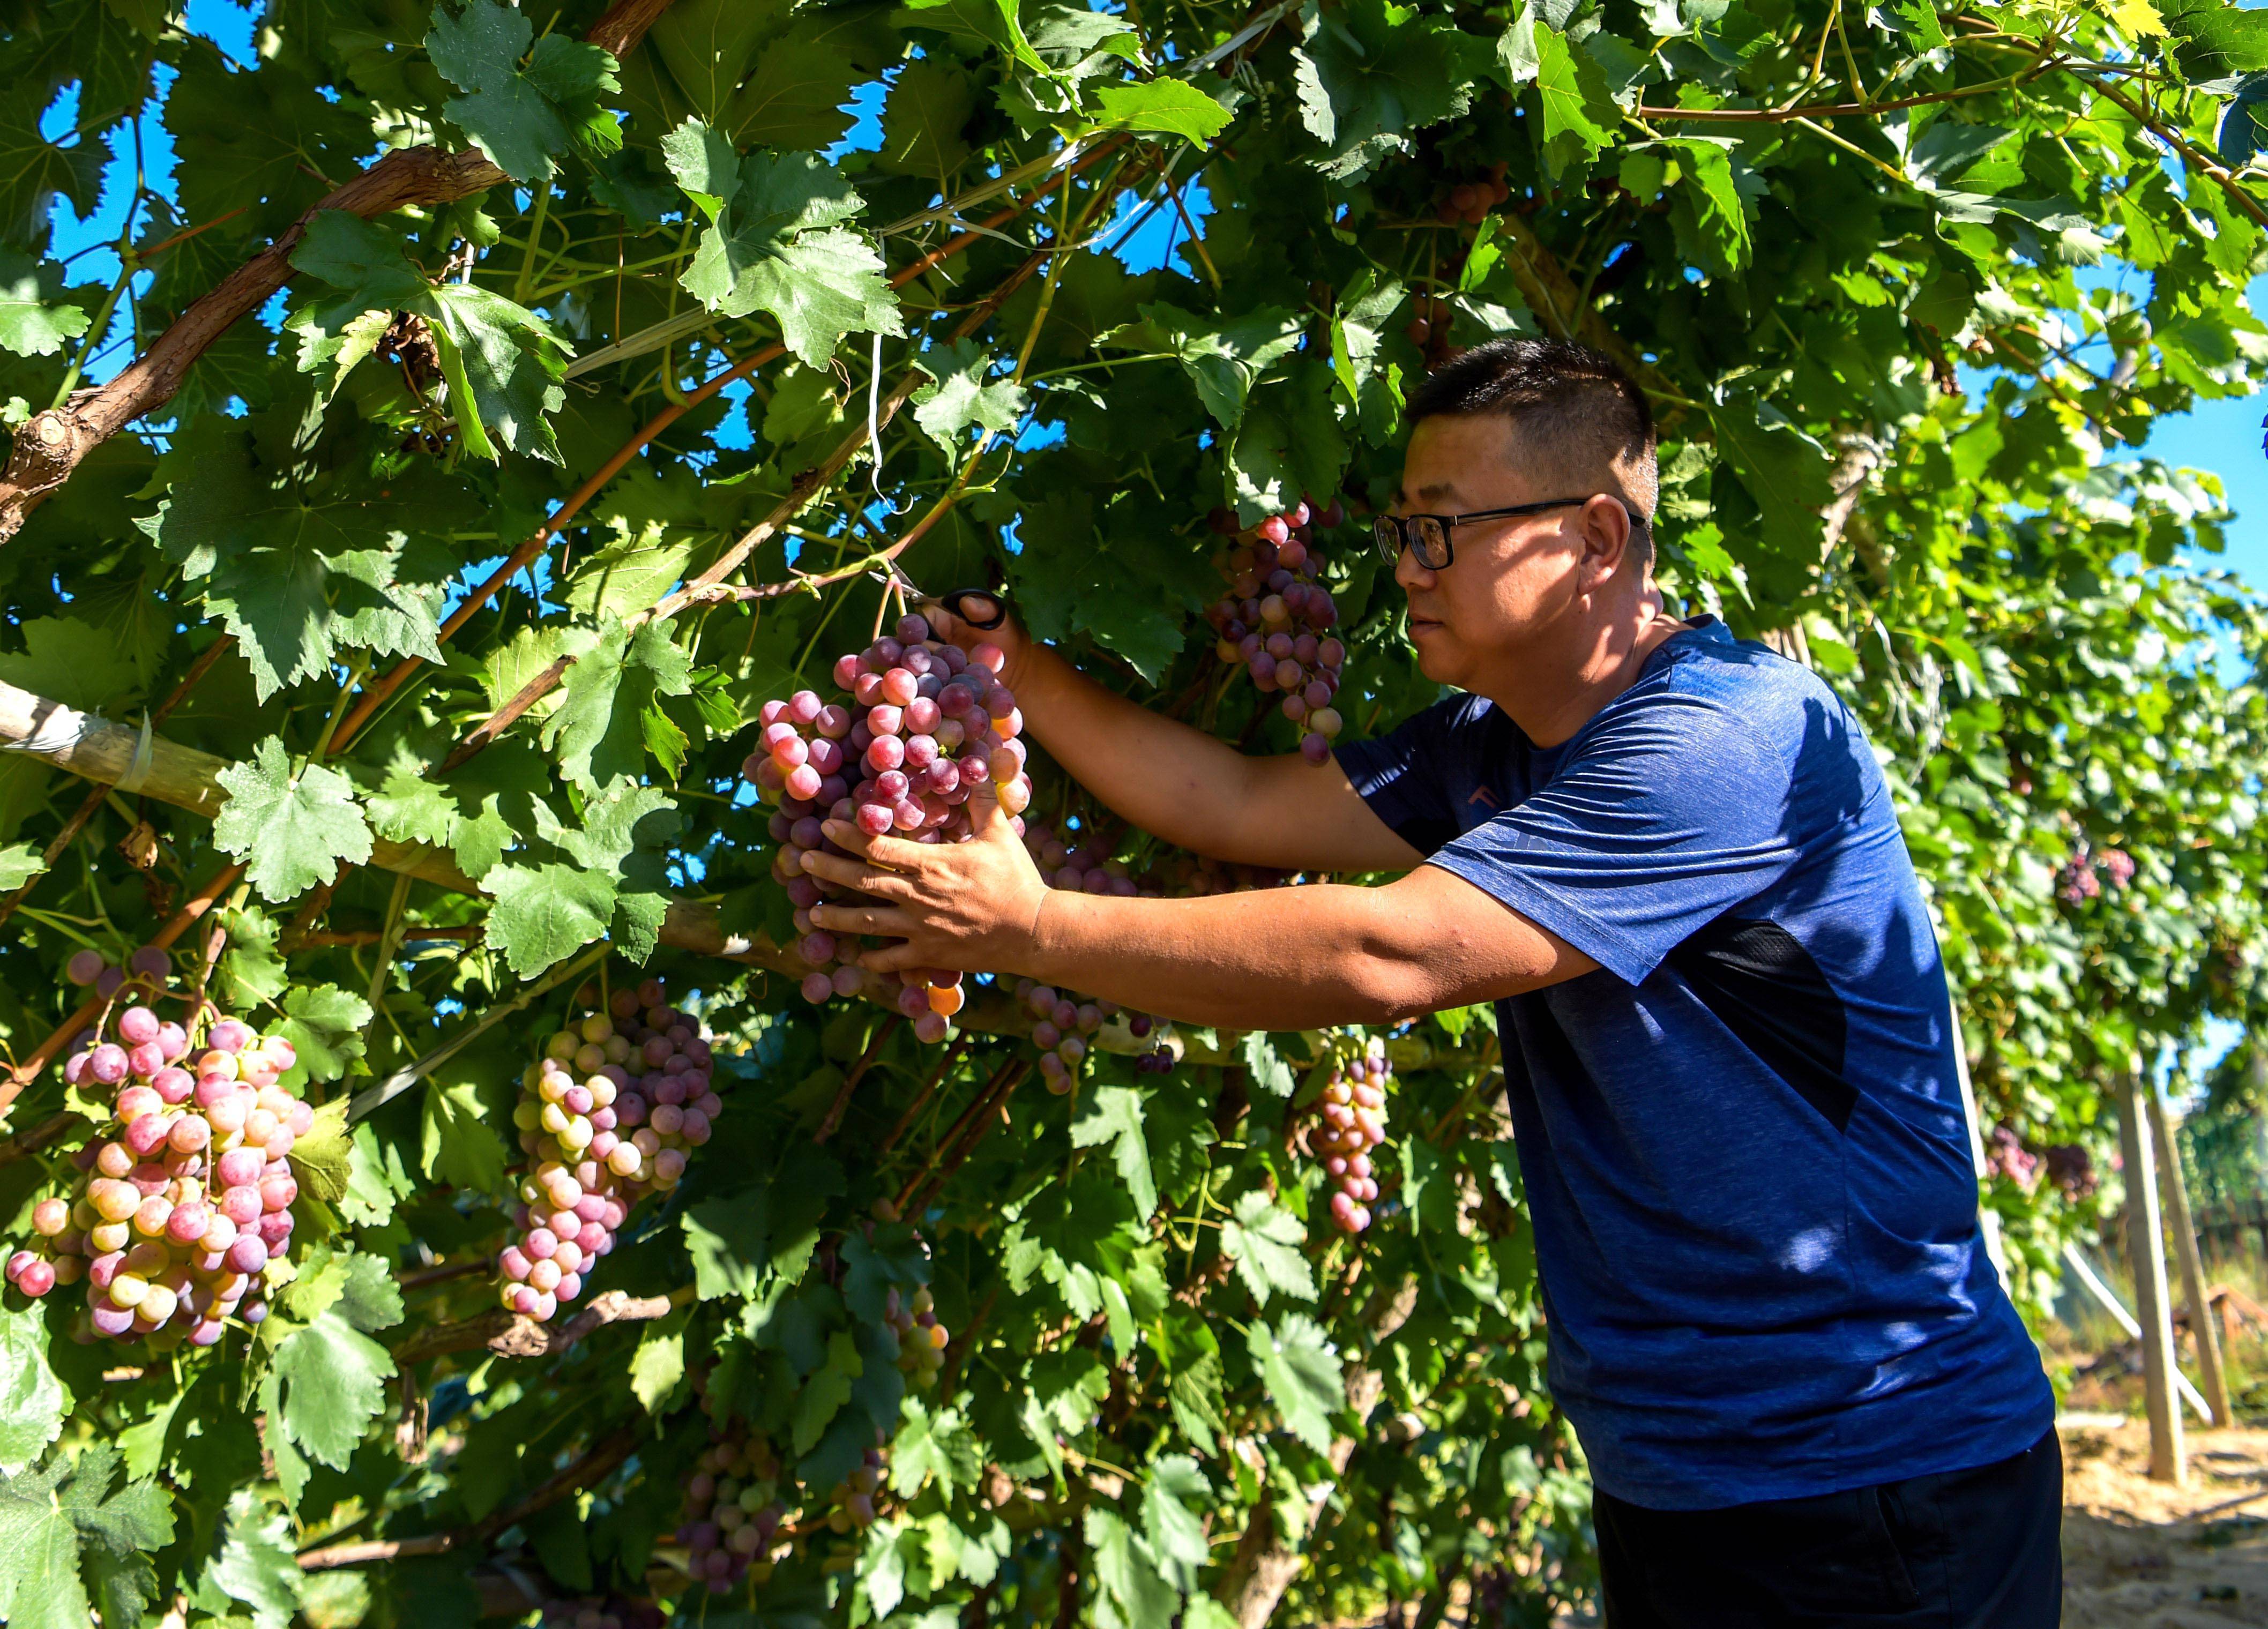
{"x":1400,"y":776}
{"x":1671,"y":813}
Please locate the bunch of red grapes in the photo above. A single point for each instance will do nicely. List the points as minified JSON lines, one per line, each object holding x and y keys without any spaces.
{"x":1278,"y":618}
{"x":927,"y":723}
{"x":598,"y":1137}
{"x":732,"y":1506}
{"x":609,"y":1612}
{"x":186,"y":1195}
{"x":1078,"y":870}
{"x":921,"y":1337}
{"x":1354,"y":1125}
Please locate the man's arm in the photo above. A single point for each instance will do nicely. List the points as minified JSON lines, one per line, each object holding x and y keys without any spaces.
{"x":1184,"y":785}
{"x":1272,"y":958}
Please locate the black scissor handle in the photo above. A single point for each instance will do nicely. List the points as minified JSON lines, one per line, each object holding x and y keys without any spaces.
{"x":958,"y":599}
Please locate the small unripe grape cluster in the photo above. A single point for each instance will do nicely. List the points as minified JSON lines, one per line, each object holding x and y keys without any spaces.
{"x":608,"y":1612}
{"x":1469,"y":202}
{"x":852,"y":1503}
{"x":1278,"y":618}
{"x":927,"y":723}
{"x":1078,"y":870}
{"x":185,"y":1196}
{"x":1354,"y":1125}
{"x":605,"y":1116}
{"x":921,"y":1337}
{"x":1064,"y":1030}
{"x":733,"y":1506}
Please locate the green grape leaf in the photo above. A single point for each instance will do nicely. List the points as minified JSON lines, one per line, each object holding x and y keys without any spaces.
{"x":1175,"y":1533}
{"x":628,"y":576}
{"x":63,"y":1524}
{"x":1222,"y":359}
{"x":925,"y":120}
{"x":456,"y":1144}
{"x":1579,"y":115}
{"x":1372,"y":73}
{"x":1194,"y":1396}
{"x":35,"y":172}
{"x":1267,"y":1245}
{"x":322,"y":1161}
{"x":1302,"y":1375}
{"x":522,"y":116}
{"x":33,"y":323}
{"x":502,"y":363}
{"x":1788,"y":473}
{"x":68,"y":661}
{"x":33,"y":1400}
{"x":940,"y":1447}
{"x":19,"y":863}
{"x":1164,"y":108}
{"x":303,"y":570}
{"x":375,"y":1179}
{"x":332,"y":1378}
{"x":659,"y":1364}
{"x":1112,"y":1115}
{"x":1135,"y":1593}
{"x":1269,"y":1073}
{"x":251,"y":971}
{"x":963,"y":392}
{"x":774,"y":243}
{"x":289,"y":833}
{"x":325,"y":1026}
{"x":256,"y":1565}
{"x":826,"y":1392}
{"x":597,"y":732}
{"x":545,"y":913}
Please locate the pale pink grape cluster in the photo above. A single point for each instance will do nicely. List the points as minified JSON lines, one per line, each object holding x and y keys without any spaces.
{"x":1354,"y":1125}
{"x":927,"y":723}
{"x":605,"y":1117}
{"x":185,"y":1196}
{"x":1079,"y":870}
{"x":1278,"y":618}
{"x":733,"y":1506}
{"x":922,"y":1340}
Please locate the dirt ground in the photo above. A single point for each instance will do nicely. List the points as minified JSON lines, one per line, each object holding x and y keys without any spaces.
{"x":2140,"y":1554}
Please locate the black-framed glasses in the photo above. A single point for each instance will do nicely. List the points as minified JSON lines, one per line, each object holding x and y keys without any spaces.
{"x":1427,"y":536}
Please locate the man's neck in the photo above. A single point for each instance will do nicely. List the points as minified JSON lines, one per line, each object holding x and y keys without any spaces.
{"x":1585,"y":671}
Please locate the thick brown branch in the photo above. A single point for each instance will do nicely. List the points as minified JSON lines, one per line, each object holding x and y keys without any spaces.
{"x":598,"y":1462}
{"x":49,"y":447}
{"x":54,"y":443}
{"x":511,"y":1336}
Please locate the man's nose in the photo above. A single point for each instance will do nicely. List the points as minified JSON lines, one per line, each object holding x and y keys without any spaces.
{"x":1409,"y":572}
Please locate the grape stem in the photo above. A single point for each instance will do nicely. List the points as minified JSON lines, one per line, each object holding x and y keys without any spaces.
{"x":827,"y":1127}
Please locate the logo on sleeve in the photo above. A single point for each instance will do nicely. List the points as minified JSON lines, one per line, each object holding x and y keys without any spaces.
{"x":1484,"y":797}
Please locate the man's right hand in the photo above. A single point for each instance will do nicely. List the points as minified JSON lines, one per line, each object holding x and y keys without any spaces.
{"x":1014,"y":643}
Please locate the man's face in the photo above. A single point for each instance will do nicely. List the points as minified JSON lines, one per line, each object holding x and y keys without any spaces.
{"x":1509,"y":583}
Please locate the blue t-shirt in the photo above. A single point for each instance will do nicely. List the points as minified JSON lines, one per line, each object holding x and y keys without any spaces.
{"x":1741,"y":1136}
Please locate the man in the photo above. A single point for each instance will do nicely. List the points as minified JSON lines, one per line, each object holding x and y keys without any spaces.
{"x":1670,"y":859}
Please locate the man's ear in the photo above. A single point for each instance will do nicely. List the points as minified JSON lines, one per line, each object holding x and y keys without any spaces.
{"x":1607,"y":555}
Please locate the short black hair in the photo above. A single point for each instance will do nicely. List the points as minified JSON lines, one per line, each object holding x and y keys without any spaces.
{"x":1578,"y":412}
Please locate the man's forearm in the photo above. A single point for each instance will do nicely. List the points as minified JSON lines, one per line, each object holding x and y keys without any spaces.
{"x":1297,"y":958}
{"x":1174,"y":782}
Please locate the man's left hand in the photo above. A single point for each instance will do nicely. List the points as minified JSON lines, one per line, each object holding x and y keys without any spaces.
{"x":973,"y":906}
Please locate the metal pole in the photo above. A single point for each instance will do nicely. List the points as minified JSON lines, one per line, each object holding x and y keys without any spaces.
{"x":2145,"y":1249}
{"x":2185,"y":1251}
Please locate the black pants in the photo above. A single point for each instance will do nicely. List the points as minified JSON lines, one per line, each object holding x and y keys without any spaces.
{"x":1968,"y":1549}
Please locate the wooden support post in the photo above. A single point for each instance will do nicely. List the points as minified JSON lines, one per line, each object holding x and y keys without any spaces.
{"x":2145,"y":1249}
{"x":2185,"y":1251}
